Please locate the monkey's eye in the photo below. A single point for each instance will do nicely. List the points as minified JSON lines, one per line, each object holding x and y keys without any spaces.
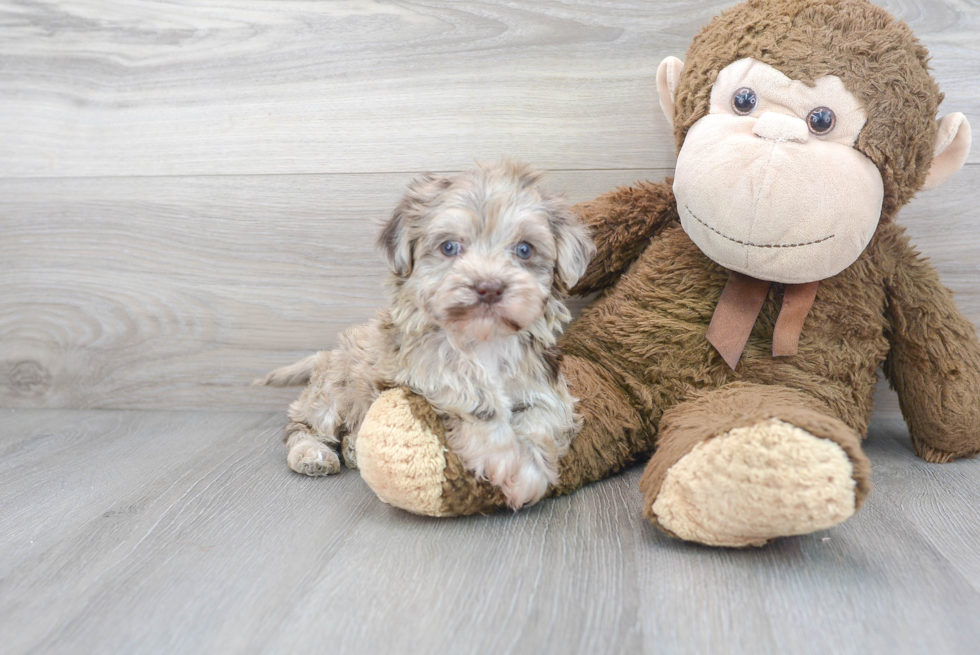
{"x":524,"y":250}
{"x":450,"y":248}
{"x":744,"y":101}
{"x":821,"y":120}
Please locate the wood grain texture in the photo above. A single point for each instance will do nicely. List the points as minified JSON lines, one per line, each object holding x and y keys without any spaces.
{"x":164,"y":532}
{"x":176,"y":292}
{"x":120,"y":88}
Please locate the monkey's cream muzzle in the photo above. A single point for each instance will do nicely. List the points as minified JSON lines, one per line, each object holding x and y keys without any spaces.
{"x":764,"y":196}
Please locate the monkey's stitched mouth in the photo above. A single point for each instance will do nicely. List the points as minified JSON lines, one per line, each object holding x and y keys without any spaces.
{"x":757,"y":245}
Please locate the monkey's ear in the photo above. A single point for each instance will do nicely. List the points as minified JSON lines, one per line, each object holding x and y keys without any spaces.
{"x":952,"y":149}
{"x":668,"y":75}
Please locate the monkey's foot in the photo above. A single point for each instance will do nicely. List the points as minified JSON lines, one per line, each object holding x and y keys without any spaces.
{"x":752,"y":484}
{"x":402,"y":454}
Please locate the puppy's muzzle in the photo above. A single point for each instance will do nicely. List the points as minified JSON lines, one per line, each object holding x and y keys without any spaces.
{"x":489,"y":291}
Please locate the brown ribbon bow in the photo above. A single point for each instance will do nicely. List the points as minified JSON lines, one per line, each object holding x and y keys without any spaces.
{"x":739,"y":307}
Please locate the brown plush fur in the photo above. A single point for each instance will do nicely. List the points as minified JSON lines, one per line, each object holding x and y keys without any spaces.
{"x":638,"y":355}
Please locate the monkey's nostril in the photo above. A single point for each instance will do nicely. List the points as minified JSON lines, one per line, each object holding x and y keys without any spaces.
{"x":489,"y":291}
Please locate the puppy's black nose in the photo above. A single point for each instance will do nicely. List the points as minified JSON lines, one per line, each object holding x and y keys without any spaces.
{"x":489,"y":291}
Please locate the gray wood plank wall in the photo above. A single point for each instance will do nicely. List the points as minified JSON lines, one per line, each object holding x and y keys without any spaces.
{"x":188,"y":191}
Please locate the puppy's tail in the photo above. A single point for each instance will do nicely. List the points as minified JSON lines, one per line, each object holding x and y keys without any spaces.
{"x":294,"y":375}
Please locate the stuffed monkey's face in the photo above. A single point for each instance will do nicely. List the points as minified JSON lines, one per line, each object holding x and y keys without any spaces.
{"x":768,"y":183}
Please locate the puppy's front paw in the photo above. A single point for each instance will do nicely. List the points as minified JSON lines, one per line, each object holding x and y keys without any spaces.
{"x":520,"y":468}
{"x":313,"y":459}
{"x":527,"y":486}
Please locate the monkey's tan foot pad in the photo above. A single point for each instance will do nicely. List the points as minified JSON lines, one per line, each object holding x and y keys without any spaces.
{"x":402,"y":455}
{"x":753,"y":484}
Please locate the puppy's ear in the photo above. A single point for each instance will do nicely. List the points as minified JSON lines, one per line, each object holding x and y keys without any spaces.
{"x":394,"y":241}
{"x":574,"y":245}
{"x":401,"y":232}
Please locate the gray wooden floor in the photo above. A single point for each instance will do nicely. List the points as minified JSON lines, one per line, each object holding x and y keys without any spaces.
{"x":183,"y":532}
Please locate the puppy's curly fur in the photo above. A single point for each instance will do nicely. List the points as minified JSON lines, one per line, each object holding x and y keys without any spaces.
{"x":481,"y":262}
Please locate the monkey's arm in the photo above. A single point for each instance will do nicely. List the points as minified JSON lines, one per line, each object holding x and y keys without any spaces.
{"x":621,"y":223}
{"x":934,"y":361}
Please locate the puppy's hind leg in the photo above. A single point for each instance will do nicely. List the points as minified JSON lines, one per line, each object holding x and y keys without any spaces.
{"x":311,"y":434}
{"x":308,"y":454}
{"x":342,"y":385}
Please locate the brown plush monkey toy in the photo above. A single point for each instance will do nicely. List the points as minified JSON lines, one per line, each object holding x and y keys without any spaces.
{"x":746,"y":307}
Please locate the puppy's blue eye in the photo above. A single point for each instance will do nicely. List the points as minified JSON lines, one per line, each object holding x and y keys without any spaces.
{"x":524,"y":250}
{"x":744,"y":101}
{"x":450,"y":248}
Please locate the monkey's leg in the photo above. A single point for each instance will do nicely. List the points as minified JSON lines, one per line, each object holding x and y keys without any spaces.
{"x":743,"y":464}
{"x":403,"y":456}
